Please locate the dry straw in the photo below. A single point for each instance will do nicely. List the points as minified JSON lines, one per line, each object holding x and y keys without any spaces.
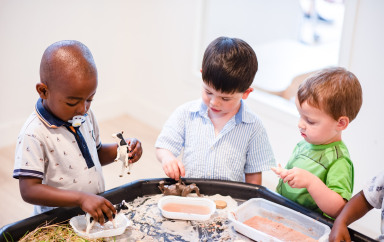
{"x":54,"y":232}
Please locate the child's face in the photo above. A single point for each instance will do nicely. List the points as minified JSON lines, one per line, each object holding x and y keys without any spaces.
{"x":316,"y":126}
{"x":71,"y":96}
{"x":222,"y":104}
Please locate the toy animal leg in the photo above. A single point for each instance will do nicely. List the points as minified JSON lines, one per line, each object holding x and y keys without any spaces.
{"x":126,"y":160}
{"x":122,"y":169}
{"x":197,"y":190}
{"x":118,"y":154}
{"x":129,"y":168}
{"x":89,"y":226}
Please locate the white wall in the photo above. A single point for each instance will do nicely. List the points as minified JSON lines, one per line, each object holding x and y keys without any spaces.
{"x":146,"y":56}
{"x":363,"y":55}
{"x":143,"y":51}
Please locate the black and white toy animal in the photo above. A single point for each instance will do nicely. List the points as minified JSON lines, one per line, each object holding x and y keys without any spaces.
{"x":122,"y":152}
{"x":123,"y":206}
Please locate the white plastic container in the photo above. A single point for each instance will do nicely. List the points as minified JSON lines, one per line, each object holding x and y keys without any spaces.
{"x":78,"y":224}
{"x":277,"y":213}
{"x":186,"y":201}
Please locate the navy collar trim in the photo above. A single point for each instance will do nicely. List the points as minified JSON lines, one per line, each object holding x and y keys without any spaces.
{"x":51,"y":121}
{"x":46,"y":117}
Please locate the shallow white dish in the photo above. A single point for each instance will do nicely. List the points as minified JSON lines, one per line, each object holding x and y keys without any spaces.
{"x":186,"y":201}
{"x":78,"y":224}
{"x":277,"y":213}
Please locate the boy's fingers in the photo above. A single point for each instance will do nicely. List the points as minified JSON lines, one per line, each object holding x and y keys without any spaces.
{"x":181,"y":168}
{"x":288,"y":178}
{"x":109,"y":213}
{"x":176,"y":172}
{"x":136,"y":152}
{"x":110,"y":206}
{"x":278,"y":170}
{"x":274,"y":169}
{"x":99,"y":216}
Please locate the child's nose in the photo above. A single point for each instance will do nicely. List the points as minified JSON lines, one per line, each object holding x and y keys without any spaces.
{"x":214,"y":101}
{"x":301,"y":124}
{"x":82,"y":108}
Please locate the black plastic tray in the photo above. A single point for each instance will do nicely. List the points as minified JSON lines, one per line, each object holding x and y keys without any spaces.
{"x":130,"y":191}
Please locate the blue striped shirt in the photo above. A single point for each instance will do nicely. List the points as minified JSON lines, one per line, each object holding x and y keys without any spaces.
{"x":241,"y":147}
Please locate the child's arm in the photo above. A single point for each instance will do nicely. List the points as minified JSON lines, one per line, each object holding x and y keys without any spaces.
{"x":356,"y":208}
{"x":107,"y":152}
{"x":254,"y":178}
{"x":172,"y":167}
{"x":330,"y":202}
{"x":33,"y":191}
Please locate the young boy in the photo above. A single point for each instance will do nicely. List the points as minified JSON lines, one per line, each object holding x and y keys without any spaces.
{"x":221,"y":137}
{"x":370,"y":197}
{"x":320,"y":174}
{"x":57,"y":163}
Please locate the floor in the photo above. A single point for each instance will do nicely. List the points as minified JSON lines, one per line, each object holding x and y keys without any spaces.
{"x":12,"y":206}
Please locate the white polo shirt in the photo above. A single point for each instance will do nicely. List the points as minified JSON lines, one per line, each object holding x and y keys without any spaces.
{"x":48,"y":150}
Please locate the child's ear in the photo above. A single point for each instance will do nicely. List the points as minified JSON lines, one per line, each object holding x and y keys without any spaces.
{"x":42,"y":89}
{"x":343,"y":122}
{"x":247,"y":92}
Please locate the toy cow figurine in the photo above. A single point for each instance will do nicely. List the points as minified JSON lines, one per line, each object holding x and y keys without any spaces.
{"x":122,"y":152}
{"x":123,"y":206}
{"x":178,"y":189}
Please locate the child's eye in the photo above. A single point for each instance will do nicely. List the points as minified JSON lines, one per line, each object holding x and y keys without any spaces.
{"x":71,"y":104}
{"x":226,"y":99}
{"x":310,"y":122}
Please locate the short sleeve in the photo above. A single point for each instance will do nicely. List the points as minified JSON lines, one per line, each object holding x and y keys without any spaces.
{"x":374,"y":190}
{"x":29,"y":157}
{"x":340,"y":178}
{"x":172,"y":135}
{"x":259,"y":155}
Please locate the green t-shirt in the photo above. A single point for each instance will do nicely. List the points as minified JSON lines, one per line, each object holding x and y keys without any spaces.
{"x":330,"y":162}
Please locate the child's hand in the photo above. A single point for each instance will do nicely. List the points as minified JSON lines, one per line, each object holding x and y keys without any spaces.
{"x":339,"y":233}
{"x":173,"y":168}
{"x":134,"y":146}
{"x":97,"y":206}
{"x":280,"y":171}
{"x":297,"y":177}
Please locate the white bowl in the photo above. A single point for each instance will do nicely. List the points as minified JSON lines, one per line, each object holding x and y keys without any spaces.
{"x":275,"y":212}
{"x":78,"y":224}
{"x":186,"y":201}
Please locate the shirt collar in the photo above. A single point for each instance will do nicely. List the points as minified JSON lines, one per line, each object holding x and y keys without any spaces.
{"x":241,"y":116}
{"x":46,"y":117}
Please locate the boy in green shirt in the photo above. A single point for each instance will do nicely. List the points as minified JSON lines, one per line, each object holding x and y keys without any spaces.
{"x":319,"y":174}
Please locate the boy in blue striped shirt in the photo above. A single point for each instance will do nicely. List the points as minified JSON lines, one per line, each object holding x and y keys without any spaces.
{"x":220,"y":137}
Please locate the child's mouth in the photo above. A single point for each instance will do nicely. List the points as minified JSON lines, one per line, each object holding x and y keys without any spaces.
{"x":215,"y":110}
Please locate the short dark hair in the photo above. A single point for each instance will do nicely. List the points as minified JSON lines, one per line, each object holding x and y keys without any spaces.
{"x":229,"y":65}
{"x":66,"y":54}
{"x":334,"y":90}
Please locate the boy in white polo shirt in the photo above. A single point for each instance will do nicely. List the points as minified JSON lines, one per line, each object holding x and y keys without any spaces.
{"x":57,"y":161}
